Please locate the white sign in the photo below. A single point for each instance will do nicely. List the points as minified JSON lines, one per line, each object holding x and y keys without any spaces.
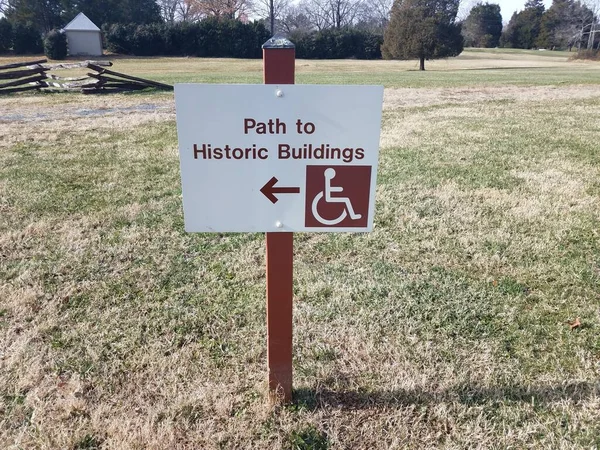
{"x":278,"y":157}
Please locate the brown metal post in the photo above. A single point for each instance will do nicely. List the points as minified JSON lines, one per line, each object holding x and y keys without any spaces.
{"x":279,"y":58}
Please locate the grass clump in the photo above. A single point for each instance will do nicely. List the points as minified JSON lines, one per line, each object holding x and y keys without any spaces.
{"x":308,"y":438}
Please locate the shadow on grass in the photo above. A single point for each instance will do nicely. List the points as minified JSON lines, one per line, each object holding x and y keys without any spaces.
{"x":465,"y":394}
{"x":507,"y":68}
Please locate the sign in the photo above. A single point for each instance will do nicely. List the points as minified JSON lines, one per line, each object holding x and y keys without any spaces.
{"x":278,"y":158}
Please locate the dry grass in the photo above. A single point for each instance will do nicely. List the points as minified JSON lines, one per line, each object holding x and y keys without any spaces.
{"x":444,"y":328}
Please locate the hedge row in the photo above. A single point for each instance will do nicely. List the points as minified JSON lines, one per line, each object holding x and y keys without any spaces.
{"x":21,"y":38}
{"x":231,"y":38}
{"x":338,"y":44}
{"x":210,"y":38}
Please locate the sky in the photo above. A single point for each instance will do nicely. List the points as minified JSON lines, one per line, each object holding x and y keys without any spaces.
{"x":507,"y":7}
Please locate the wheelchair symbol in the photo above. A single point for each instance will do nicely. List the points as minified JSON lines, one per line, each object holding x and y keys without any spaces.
{"x":348,"y":210}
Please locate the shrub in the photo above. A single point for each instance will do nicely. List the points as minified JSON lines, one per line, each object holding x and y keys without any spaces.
{"x":26,"y":39}
{"x":214,"y":37}
{"x":119,"y":37}
{"x":305,"y":44}
{"x":148,"y":40}
{"x":336,"y":44}
{"x":371,"y":46}
{"x":211,"y":37}
{"x":6,"y":35}
{"x":55,"y":45}
{"x":587,"y":54}
{"x":181,"y":39}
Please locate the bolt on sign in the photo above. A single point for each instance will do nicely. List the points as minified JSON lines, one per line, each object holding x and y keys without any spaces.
{"x":267,"y":158}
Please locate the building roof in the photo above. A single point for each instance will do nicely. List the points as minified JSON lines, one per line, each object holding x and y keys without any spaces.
{"x":81,"y":23}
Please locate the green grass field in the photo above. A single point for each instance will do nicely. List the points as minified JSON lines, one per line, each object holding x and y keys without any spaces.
{"x":446,"y":327}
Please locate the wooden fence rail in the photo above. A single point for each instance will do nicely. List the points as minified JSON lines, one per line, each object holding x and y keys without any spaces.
{"x":23,"y":64}
{"x":20,"y":73}
{"x":32,"y":75}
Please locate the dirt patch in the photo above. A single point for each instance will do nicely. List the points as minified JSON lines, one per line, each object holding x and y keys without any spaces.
{"x":51,"y":117}
{"x":50,"y":108}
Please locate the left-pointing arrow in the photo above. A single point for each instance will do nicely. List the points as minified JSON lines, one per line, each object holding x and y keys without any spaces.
{"x":269,"y":190}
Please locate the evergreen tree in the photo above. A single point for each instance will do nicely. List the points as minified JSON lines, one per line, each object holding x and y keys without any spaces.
{"x":27,"y":39}
{"x":55,"y":45}
{"x":142,"y":12}
{"x":102,"y":12}
{"x":98,"y":11}
{"x":483,"y":26}
{"x":43,"y":15}
{"x":524,"y":27}
{"x":535,"y":5}
{"x":508,"y":36}
{"x":548,"y":24}
{"x":6,"y":35}
{"x":423,"y":29}
{"x":564,"y":24}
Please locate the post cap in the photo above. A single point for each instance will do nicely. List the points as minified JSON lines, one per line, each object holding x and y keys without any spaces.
{"x":278,"y":42}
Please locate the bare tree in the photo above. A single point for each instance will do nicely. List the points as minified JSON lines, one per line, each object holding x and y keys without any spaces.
{"x":227,"y":9}
{"x":594,"y":7}
{"x":344,"y":12}
{"x":265,"y":9}
{"x":331,"y":13}
{"x":295,"y":20}
{"x":374,"y":15}
{"x":578,"y":20}
{"x":168,"y":9}
{"x":315,"y":12}
{"x":186,"y":12}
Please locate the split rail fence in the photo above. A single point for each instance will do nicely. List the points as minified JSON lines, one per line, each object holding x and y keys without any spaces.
{"x":34,"y":75}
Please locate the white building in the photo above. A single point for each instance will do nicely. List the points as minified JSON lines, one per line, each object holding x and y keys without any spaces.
{"x":83,"y":37}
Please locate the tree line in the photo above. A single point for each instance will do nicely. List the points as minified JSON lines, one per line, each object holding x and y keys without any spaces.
{"x":565,"y":25}
{"x":422,"y":29}
{"x":307,"y":15}
{"x":320,"y":29}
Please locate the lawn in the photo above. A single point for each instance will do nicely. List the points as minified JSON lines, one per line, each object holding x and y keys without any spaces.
{"x":448,"y":326}
{"x":473,"y":67}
